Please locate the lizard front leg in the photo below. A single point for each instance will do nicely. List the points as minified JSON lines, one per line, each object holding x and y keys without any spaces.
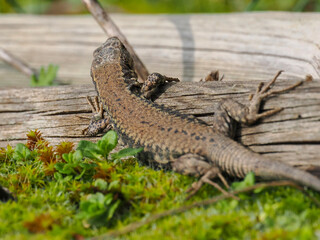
{"x":98,"y":123}
{"x":153,"y":82}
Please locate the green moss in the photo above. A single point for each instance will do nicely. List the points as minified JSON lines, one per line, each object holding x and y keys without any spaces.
{"x":53,"y":202}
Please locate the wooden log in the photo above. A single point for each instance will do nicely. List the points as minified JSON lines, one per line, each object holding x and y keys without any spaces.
{"x":292,"y":136}
{"x":242,"y":46}
{"x":247,"y":48}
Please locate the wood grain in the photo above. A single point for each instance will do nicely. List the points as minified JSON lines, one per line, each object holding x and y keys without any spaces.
{"x":292,"y":136}
{"x":247,"y":48}
{"x":244,"y":46}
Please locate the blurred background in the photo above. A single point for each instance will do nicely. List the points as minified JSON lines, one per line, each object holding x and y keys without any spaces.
{"x":158,"y":6}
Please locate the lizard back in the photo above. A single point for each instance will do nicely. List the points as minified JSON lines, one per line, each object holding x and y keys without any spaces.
{"x":139,"y":121}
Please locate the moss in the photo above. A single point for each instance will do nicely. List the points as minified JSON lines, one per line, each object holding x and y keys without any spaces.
{"x":60,"y":197}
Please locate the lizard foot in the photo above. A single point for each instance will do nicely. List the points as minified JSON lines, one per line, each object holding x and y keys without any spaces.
{"x":195,"y":165}
{"x":153,"y":82}
{"x":206,"y":178}
{"x":261,"y":93}
{"x":97,"y":123}
{"x":249,"y":114}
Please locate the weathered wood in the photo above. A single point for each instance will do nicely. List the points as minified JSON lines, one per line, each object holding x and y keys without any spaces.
{"x":242,"y":46}
{"x":246,"y":48}
{"x":292,"y":136}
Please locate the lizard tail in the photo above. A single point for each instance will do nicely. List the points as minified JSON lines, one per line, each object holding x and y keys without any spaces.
{"x":269,"y":169}
{"x":240,"y":162}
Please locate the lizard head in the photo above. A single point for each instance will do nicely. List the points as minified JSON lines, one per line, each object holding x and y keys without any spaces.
{"x":111,"y":52}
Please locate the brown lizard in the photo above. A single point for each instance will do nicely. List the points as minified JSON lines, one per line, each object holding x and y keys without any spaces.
{"x":188,"y":145}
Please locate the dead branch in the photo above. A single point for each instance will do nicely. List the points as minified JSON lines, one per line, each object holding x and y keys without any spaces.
{"x":17,"y":63}
{"x":111,"y":29}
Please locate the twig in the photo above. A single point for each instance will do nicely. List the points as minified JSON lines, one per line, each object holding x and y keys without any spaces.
{"x":111,"y":29}
{"x":134,"y":226}
{"x":22,"y":66}
{"x":17,"y":63}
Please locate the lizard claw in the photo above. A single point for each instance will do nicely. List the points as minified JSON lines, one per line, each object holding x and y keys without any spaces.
{"x":195,"y":165}
{"x":213,"y":76}
{"x":263,"y":91}
{"x":96,"y":108}
{"x":206,"y":178}
{"x":153,"y":82}
{"x":97,"y":123}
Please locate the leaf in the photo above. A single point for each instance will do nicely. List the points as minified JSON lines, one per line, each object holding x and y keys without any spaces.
{"x":108,"y":199}
{"x":45,"y":76}
{"x":126,"y":153}
{"x":108,"y":142}
{"x":113,"y":208}
{"x":33,"y":138}
{"x":58,"y":176}
{"x":74,"y":164}
{"x":80,"y":175}
{"x":59,"y":166}
{"x":77,"y":156}
{"x":33,"y":80}
{"x":67,"y":179}
{"x":101,"y":184}
{"x":68,"y":169}
{"x":67,"y":157}
{"x":111,"y":138}
{"x":90,"y":150}
{"x":248,"y":181}
{"x":87,"y":166}
{"x":114,"y":185}
{"x":21,"y":152}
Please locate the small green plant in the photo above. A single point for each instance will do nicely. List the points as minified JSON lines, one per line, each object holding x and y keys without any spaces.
{"x":248,"y":181}
{"x":82,"y":163}
{"x":21,"y":153}
{"x":74,"y":166}
{"x":98,"y":209}
{"x":45,"y":77}
{"x":62,"y":193}
{"x":6,"y":153}
{"x":101,"y":149}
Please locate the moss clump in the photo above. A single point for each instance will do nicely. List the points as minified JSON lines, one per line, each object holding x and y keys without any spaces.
{"x":65,"y":193}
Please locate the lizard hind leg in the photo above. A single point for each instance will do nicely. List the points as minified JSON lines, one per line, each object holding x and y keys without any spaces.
{"x":230,"y":111}
{"x":98,"y":123}
{"x":195,"y":165}
{"x":250,"y":114}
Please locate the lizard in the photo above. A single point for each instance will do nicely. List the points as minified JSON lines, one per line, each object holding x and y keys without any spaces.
{"x":188,"y":145}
